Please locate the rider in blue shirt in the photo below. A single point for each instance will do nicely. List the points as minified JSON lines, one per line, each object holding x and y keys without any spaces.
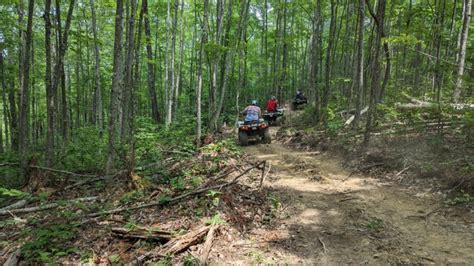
{"x":252,"y":112}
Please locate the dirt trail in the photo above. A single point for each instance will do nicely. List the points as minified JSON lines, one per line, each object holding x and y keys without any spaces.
{"x":329,"y":218}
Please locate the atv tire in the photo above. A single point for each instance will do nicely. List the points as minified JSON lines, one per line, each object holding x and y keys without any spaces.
{"x":243,"y":139}
{"x":267,"y":137}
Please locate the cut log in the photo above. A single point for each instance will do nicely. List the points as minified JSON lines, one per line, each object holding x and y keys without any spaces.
{"x":208,"y":245}
{"x":349,"y":121}
{"x":142,"y":233}
{"x":183,"y":242}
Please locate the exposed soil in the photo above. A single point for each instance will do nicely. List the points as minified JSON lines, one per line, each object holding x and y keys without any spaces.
{"x":329,"y":214}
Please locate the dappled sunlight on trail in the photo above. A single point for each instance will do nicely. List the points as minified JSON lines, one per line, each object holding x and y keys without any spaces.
{"x":329,"y":215}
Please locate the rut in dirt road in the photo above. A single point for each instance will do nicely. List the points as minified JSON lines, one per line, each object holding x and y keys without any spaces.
{"x":330,"y":218}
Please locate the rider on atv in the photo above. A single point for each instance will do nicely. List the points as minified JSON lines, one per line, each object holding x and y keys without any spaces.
{"x":272,"y":104}
{"x":299,"y":96}
{"x":252,"y":112}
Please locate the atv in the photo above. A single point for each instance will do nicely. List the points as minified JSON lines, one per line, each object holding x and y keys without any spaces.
{"x":274,"y":118}
{"x":254,"y":130}
{"x":298,"y":102}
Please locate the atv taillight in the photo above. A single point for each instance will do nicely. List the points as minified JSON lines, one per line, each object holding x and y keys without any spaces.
{"x":263,"y":126}
{"x":245,"y":127}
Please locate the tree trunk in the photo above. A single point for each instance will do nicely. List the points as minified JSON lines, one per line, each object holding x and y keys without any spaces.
{"x":155,"y":114}
{"x":24,"y":97}
{"x":283,"y":71}
{"x":213,"y":65}
{"x":462,"y":51}
{"x":229,"y":56}
{"x":199,"y":74}
{"x":127,"y":89}
{"x":171,"y":68}
{"x":116,"y":88}
{"x":6,"y":115}
{"x":329,"y":55}
{"x":180,"y":63}
{"x":59,"y":66}
{"x":50,"y":103}
{"x":360,"y":63}
{"x":13,"y":116}
{"x":375,"y":84}
{"x":97,"y":112}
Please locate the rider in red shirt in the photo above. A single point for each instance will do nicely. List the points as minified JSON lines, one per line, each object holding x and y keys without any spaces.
{"x":272,"y":104}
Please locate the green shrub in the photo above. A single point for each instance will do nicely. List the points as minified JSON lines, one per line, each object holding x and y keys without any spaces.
{"x":86,"y":151}
{"x":49,"y":241}
{"x":11,"y":175}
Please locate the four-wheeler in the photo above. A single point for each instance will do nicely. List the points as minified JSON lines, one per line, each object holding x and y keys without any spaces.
{"x":274,"y":118}
{"x":298,"y":101}
{"x":254,"y":130}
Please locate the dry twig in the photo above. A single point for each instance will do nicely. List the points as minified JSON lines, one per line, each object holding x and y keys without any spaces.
{"x":324,"y":245}
{"x":142,"y":233}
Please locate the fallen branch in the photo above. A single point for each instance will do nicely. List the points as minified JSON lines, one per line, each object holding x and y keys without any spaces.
{"x":45,"y":207}
{"x":223,"y":174}
{"x":180,"y":197}
{"x":16,"y":205}
{"x":49,"y":169}
{"x":9,"y":164}
{"x":207,"y":245}
{"x":402,"y":171}
{"x":324,"y":245}
{"x":60,"y":171}
{"x":142,"y":233}
{"x":84,"y":182}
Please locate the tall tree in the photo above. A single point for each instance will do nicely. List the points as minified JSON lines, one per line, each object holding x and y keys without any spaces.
{"x":462,"y":51}
{"x":116,"y":89}
{"x":375,"y":82}
{"x":151,"y":66}
{"x":50,"y":103}
{"x":360,"y":63}
{"x":59,"y":75}
{"x":127,"y":89}
{"x":199,"y":73}
{"x":97,"y":109}
{"x":329,"y":55}
{"x":179,"y":69}
{"x":6,"y":116}
{"x":24,"y":96}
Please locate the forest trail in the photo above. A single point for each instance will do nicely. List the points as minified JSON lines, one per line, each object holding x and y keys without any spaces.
{"x":327,"y":217}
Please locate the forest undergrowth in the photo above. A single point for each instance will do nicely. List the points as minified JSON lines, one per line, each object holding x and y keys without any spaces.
{"x":173,"y":198}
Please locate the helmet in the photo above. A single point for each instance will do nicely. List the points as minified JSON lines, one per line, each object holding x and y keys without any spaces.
{"x":273,"y":98}
{"x":254,"y":102}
